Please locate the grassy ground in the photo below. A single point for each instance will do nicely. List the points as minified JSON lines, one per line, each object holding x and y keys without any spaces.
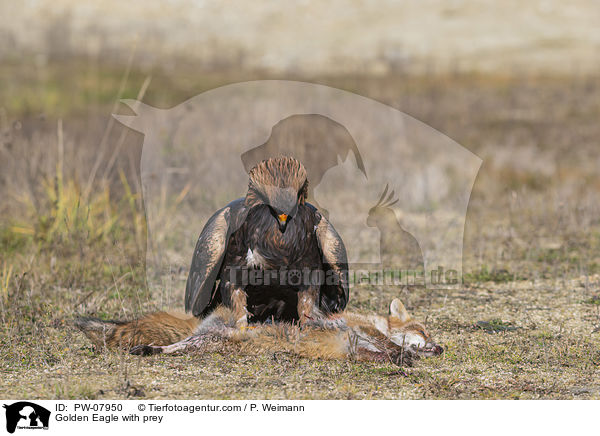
{"x":525,"y":324}
{"x":508,"y":340}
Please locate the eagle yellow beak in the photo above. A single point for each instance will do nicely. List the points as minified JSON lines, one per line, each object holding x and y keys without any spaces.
{"x":282,"y":222}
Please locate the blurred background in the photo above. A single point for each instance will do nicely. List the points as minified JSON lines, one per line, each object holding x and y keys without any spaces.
{"x":513,"y":82}
{"x":309,"y":37}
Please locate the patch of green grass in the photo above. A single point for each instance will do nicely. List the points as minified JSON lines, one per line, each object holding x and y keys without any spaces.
{"x":544,"y":335}
{"x":595,"y":300}
{"x":491,"y":275}
{"x":72,"y":87}
{"x":495,"y":326}
{"x":13,"y":239}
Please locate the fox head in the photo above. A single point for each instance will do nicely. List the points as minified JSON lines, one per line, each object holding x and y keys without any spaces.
{"x":408,"y":333}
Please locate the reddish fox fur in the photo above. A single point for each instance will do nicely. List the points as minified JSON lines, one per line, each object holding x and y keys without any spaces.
{"x":396,"y":338}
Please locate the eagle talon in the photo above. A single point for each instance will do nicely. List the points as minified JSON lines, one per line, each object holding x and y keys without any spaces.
{"x":242,"y":323}
{"x":307,"y":320}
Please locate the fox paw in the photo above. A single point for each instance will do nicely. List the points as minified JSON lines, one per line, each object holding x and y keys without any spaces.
{"x":403,"y":358}
{"x":145,"y":350}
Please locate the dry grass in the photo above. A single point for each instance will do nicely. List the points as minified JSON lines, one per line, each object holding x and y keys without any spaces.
{"x":524,"y":325}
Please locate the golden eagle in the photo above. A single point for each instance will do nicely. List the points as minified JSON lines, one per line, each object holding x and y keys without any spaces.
{"x":274,"y":255}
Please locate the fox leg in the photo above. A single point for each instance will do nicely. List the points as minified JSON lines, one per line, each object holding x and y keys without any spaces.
{"x":383,"y":357}
{"x":378,"y":349}
{"x":151,"y":350}
{"x":399,"y":355}
{"x":213,"y":331}
{"x":195,"y":343}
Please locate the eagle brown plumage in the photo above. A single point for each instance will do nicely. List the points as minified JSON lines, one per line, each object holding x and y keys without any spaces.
{"x":294,"y":261}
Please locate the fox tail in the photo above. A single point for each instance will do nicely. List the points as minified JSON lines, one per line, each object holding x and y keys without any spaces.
{"x":161,"y":328}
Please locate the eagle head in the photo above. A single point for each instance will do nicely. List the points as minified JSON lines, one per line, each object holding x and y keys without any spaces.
{"x":281,"y":184}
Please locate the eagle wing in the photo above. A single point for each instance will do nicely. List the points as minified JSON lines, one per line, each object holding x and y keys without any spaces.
{"x":208,"y":255}
{"x":335,"y":290}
